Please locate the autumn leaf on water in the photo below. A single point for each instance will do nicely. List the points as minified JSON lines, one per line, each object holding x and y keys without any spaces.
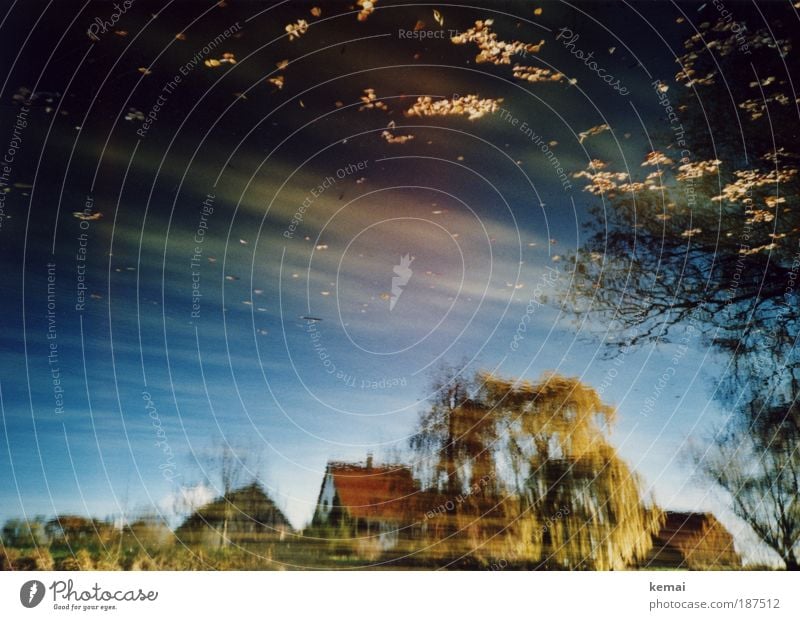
{"x":93,"y":217}
{"x":227,"y":57}
{"x":469,"y":105}
{"x":297,"y":29}
{"x":393,"y":139}
{"x":600,"y":181}
{"x":134,"y":115}
{"x":370,"y":100}
{"x":490,"y":48}
{"x":593,"y":131}
{"x":656,"y":158}
{"x":697,"y":169}
{"x":537,"y":74}
{"x":367,"y":7}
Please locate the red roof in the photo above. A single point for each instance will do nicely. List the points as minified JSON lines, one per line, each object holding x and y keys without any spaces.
{"x":693,"y":540}
{"x":386,"y":493}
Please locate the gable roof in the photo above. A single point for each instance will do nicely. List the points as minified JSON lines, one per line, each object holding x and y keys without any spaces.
{"x":249,"y":506}
{"x":386,"y":493}
{"x":692,"y":540}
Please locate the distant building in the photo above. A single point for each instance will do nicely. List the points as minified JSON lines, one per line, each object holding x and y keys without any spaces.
{"x":373,"y":505}
{"x":77,"y":531}
{"x":244,"y":516}
{"x":694,"y":541}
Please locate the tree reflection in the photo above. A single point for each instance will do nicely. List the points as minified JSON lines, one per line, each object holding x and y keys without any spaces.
{"x":707,"y":241}
{"x":555,"y":495}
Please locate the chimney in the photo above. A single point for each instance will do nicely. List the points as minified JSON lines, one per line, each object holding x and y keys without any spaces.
{"x":369,"y":460}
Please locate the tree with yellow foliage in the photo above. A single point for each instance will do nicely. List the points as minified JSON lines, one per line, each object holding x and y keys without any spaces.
{"x":530,"y":475}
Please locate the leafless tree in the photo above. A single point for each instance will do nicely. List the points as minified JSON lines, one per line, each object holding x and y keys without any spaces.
{"x":228,"y":467}
{"x":705,"y":242}
{"x":760,"y":472}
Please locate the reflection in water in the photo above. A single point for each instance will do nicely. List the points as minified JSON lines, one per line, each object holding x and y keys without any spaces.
{"x":693,"y":240}
{"x":506,"y":473}
{"x":704,"y":243}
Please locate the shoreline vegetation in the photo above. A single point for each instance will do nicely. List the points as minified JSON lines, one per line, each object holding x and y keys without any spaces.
{"x":507,"y":475}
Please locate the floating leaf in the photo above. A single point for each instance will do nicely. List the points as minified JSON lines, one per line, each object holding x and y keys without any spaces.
{"x":367,"y":7}
{"x":297,"y":29}
{"x":92,"y":217}
{"x":392,"y":139}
